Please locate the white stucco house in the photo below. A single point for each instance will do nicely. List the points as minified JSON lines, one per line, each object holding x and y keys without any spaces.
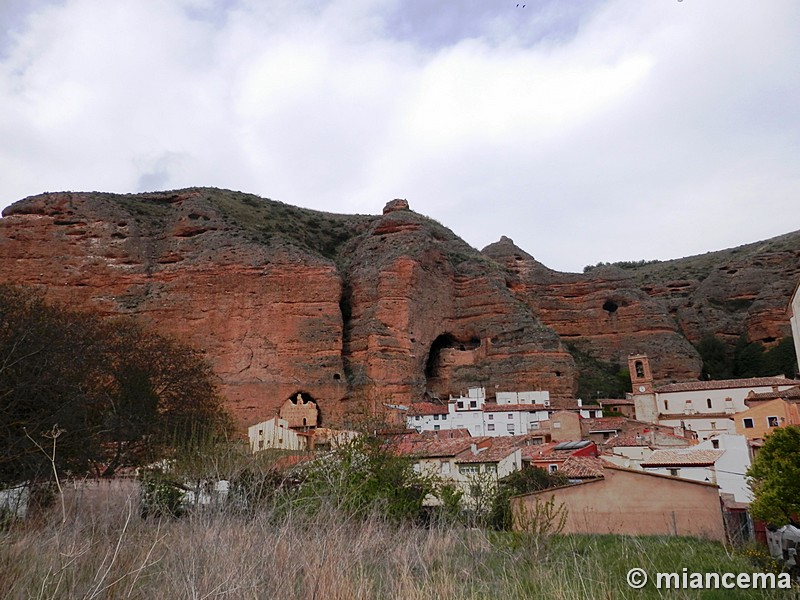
{"x":723,"y":459}
{"x":519,"y":413}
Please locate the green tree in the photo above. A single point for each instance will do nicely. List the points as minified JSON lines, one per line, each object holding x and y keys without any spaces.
{"x":118,"y":394}
{"x":520,"y":482}
{"x":364,"y":478}
{"x":775,"y":478}
{"x":717,"y":363}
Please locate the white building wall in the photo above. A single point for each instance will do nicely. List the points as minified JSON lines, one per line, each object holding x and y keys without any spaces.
{"x":275,"y":433}
{"x":705,"y":428}
{"x":705,"y":474}
{"x":731,"y":467}
{"x":537,"y":397}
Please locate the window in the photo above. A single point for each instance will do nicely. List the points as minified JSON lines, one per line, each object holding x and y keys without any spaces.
{"x":460,"y":404}
{"x":436,"y":427}
{"x":747,"y":423}
{"x":491,"y":417}
{"x":510,"y":415}
{"x":772,"y":421}
{"x":674,"y":472}
{"x":639,"y":369}
{"x":445,"y":467}
{"x":713,"y":424}
{"x":510,"y":428}
{"x":468,"y":469}
{"x":435,"y":417}
{"x":491,"y":468}
{"x":708,"y":402}
{"x":666,"y":405}
{"x":715,"y":444}
{"x":490,"y":427}
{"x":417,"y":418}
{"x":444,"y":417}
{"x":552,"y":468}
{"x":473,"y":404}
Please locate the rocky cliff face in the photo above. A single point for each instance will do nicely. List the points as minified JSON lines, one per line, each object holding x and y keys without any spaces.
{"x":354,"y":311}
{"x":604,"y":313}
{"x":661,"y":309}
{"x":358,"y":312}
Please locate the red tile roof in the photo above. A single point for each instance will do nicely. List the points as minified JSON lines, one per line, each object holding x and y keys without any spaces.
{"x":582,"y":467}
{"x":494,"y":453}
{"x":423,"y":446}
{"x":642,"y":438}
{"x":604,"y":423}
{"x":793,"y":393}
{"x":426,"y":408}
{"x":682,"y":458}
{"x":492,"y":407}
{"x":720,"y":384}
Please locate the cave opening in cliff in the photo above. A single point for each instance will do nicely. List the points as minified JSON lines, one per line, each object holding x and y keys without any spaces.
{"x":443,"y":342}
{"x":610,"y":306}
{"x":432,"y":366}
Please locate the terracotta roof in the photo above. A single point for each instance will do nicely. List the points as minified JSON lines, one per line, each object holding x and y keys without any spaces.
{"x":492,"y":407}
{"x":432,"y":447}
{"x":494,"y":453}
{"x":642,"y":438}
{"x":548,"y":453}
{"x":793,"y":393}
{"x":720,"y":384}
{"x":582,"y":467}
{"x":426,"y":408}
{"x":604,"y":423}
{"x":616,"y":402}
{"x":682,"y":458}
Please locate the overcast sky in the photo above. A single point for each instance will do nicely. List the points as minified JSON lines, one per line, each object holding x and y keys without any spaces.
{"x":586,"y":130}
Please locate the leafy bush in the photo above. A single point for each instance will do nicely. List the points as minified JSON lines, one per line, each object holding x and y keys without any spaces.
{"x":363,"y":478}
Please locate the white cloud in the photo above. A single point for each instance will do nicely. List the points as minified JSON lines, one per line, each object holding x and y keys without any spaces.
{"x":588,"y":131}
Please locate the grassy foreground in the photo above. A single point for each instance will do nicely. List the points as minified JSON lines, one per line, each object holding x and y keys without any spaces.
{"x":105,"y":550}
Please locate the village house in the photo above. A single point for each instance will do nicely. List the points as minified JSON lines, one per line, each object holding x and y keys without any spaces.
{"x":631,"y":502}
{"x":297,"y":428}
{"x":631,"y":447}
{"x":514,"y":413}
{"x":767,"y":411}
{"x":551,"y":456}
{"x":622,"y":407}
{"x":723,"y":460}
{"x":705,"y":407}
{"x":275,"y":433}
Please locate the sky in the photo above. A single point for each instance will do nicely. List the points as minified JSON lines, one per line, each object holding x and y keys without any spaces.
{"x":585,"y":130}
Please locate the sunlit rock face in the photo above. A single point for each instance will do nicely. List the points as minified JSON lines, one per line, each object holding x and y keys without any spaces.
{"x":354,"y":312}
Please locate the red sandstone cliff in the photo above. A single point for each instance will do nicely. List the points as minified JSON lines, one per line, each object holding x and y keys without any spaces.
{"x":255,"y":285}
{"x":363,"y":311}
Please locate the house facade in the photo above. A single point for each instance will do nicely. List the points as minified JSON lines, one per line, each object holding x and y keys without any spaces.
{"x":764,"y":416}
{"x":275,"y":433}
{"x":517,"y":414}
{"x":722,"y":460}
{"x":631,"y":502}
